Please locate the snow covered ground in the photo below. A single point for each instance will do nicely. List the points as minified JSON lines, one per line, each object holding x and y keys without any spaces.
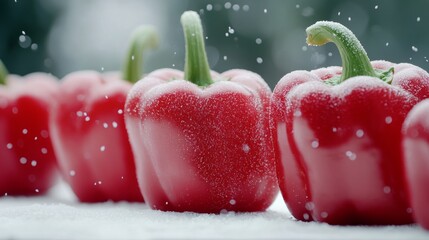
{"x":60,"y":216}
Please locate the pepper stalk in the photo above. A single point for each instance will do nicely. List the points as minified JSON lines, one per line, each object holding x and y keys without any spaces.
{"x":143,"y":38}
{"x":3,"y":73}
{"x":355,"y":61}
{"x":197,"y":68}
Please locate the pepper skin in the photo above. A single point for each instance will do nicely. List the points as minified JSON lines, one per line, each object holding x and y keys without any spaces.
{"x":27,"y":160}
{"x":89,"y":133}
{"x":202,"y":145}
{"x":416,"y":148}
{"x":337,"y":135}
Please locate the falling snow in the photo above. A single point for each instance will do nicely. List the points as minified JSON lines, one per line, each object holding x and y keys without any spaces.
{"x":386,"y":189}
{"x":351,"y":155}
{"x":388,"y":120}
{"x":24,"y":41}
{"x":44,"y":134}
{"x":231,"y":30}
{"x":44,"y":150}
{"x":359,"y":133}
{"x":309,"y":206}
{"x":315,"y":144}
{"x":34,"y":46}
{"x":23,"y":160}
{"x":245,"y":148}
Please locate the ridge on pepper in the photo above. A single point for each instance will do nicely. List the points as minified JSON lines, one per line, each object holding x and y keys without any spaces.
{"x":201,"y":140}
{"x":337,"y":134}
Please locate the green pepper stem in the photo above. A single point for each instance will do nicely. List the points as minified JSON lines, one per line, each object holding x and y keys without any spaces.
{"x":197,"y":68}
{"x":355,"y":61}
{"x":3,"y":73}
{"x":143,"y":37}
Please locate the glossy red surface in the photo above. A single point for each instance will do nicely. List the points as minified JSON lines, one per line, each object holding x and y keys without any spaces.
{"x":338,"y":148}
{"x":27,"y":160}
{"x":416,"y":148}
{"x":90,"y":138}
{"x":202,"y":150}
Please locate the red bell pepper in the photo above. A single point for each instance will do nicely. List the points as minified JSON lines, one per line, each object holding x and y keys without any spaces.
{"x":201,"y":140}
{"x":89,"y":132}
{"x":416,"y":148}
{"x":337,"y":134}
{"x":27,"y":160}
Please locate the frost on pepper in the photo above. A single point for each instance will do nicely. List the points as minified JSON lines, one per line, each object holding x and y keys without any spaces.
{"x":207,"y":139}
{"x":27,"y":159}
{"x":201,"y":138}
{"x":89,"y":130}
{"x":92,"y":141}
{"x":335,"y":125}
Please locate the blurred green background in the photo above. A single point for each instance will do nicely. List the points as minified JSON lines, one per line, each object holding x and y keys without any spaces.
{"x":267,"y":37}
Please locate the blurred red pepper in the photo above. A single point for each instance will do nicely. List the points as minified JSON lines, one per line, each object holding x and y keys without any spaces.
{"x":416,"y":148}
{"x":27,"y":160}
{"x":89,"y":132}
{"x":337,"y":135}
{"x":201,"y":140}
